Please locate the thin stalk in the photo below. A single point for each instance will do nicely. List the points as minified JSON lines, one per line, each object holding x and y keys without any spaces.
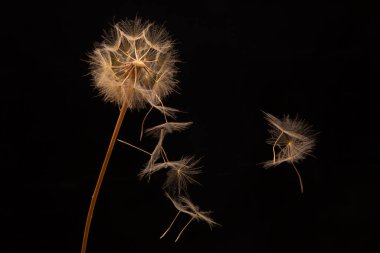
{"x":133,"y":146}
{"x":170,"y":226}
{"x":101,"y":175}
{"x":299,"y":176}
{"x":143,"y":122}
{"x":180,"y":233}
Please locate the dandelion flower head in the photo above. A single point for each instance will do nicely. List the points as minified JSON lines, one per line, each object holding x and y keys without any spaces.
{"x":135,"y":64}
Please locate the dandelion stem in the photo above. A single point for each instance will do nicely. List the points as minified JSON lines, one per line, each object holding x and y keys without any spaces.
{"x":299,"y":176}
{"x":101,"y":176}
{"x":180,"y":233}
{"x":170,"y":226}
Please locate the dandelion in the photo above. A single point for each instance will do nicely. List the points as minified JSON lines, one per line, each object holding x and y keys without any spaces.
{"x":291,"y":139}
{"x":134,"y":66}
{"x":184,"y":205}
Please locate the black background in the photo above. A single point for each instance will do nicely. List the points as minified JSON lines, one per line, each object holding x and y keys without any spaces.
{"x":318,"y":59}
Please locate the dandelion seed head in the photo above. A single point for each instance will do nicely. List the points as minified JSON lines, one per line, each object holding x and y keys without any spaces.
{"x":135,"y":64}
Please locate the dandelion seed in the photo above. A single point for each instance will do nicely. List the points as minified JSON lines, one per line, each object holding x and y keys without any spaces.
{"x":196,"y":213}
{"x":181,"y":173}
{"x":291,"y":139}
{"x":184,"y":205}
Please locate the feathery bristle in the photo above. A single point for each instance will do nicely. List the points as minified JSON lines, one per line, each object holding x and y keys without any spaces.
{"x":168,"y":127}
{"x":181,"y":173}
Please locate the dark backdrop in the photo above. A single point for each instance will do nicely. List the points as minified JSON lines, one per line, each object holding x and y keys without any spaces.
{"x":319,"y":60}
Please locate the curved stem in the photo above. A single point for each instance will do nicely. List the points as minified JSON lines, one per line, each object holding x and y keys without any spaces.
{"x":101,"y":176}
{"x":299,"y":176}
